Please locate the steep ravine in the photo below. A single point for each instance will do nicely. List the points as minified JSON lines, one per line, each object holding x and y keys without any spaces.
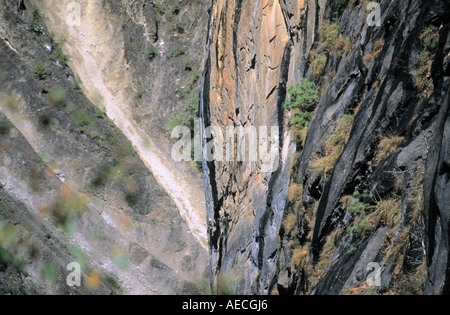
{"x":76,"y":187}
{"x":95,"y":58}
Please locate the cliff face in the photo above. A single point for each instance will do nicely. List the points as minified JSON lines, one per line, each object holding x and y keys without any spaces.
{"x":358,"y":188}
{"x":246,"y":81}
{"x":364,"y":183}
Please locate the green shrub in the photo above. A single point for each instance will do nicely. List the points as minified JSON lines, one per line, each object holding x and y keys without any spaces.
{"x":9,"y":258}
{"x":176,"y":51}
{"x":138,"y":95}
{"x":159,"y":8}
{"x":40,"y":71}
{"x":361,"y":228}
{"x":177,"y":26}
{"x":76,"y":85}
{"x":302,"y":95}
{"x":58,"y":97}
{"x":193,"y":101}
{"x":302,"y":100}
{"x":176,"y":8}
{"x":152,"y":52}
{"x":188,"y":65}
{"x":4,"y":128}
{"x":35,"y":23}
{"x":58,"y":54}
{"x":103,"y":175}
{"x":98,"y":137}
{"x":175,"y":120}
{"x":51,"y":272}
{"x":342,"y":5}
{"x":188,"y":88}
{"x":356,"y":207}
{"x":81,"y":118}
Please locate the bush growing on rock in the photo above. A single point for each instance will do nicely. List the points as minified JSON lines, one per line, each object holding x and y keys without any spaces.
{"x":152,"y":52}
{"x":35,"y":22}
{"x":176,"y":8}
{"x":40,"y":71}
{"x":302,"y":100}
{"x":57,"y":97}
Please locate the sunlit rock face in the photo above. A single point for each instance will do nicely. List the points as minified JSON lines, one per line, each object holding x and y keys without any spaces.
{"x":360,"y":191}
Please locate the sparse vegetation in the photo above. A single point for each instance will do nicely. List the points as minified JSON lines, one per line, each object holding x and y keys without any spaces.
{"x":76,"y":85}
{"x":329,"y":43}
{"x":295,"y":193}
{"x":152,"y":52}
{"x":101,"y":176}
{"x":176,"y":8}
{"x":328,"y":34}
{"x":334,"y":146}
{"x":341,"y":6}
{"x":138,"y":95}
{"x":82,"y":119}
{"x":318,"y":63}
{"x":188,"y":65}
{"x":57,"y":97}
{"x":385,"y":212}
{"x":67,"y":205}
{"x":429,"y":38}
{"x":98,"y":137}
{"x":40,"y":71}
{"x":176,"y":51}
{"x":411,"y":283}
{"x":159,"y":8}
{"x":289,"y":222}
{"x":35,"y":23}
{"x":58,"y":54}
{"x":4,"y":128}
{"x":187,"y":117}
{"x":387,"y":146}
{"x":177,"y":26}
{"x":300,"y":257}
{"x":375,"y":53}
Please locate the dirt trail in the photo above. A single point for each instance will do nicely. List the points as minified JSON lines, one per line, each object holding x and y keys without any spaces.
{"x":97,"y":56}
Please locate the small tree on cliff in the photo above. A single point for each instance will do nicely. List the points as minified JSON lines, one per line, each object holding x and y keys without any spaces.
{"x":302,"y":101}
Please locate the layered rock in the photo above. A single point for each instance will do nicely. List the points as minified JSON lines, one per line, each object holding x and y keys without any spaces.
{"x":368,"y":78}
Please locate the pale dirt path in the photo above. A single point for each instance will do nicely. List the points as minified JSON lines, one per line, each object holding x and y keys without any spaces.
{"x":98,"y":58}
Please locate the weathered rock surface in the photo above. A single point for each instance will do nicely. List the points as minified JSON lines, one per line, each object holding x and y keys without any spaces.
{"x":258,"y":48}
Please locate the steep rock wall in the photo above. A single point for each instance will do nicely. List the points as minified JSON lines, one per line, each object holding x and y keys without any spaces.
{"x":370,"y":95}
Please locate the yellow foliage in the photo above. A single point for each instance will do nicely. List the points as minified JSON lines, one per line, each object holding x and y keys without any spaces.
{"x":334,"y":146}
{"x":300,"y":257}
{"x":387,"y":146}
